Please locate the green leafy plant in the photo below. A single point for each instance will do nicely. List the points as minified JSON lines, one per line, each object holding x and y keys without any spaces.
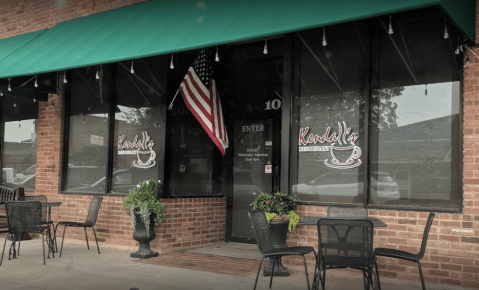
{"x":277,"y":206}
{"x":144,"y":201}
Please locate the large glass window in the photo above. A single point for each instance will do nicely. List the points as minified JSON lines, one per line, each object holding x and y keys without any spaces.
{"x":378,"y":114}
{"x":19,"y":141}
{"x":415,"y":115}
{"x":113,"y":156}
{"x":331,"y":109}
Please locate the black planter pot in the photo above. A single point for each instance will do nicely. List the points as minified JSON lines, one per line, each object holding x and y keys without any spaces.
{"x":278,"y":231}
{"x":143,"y":239}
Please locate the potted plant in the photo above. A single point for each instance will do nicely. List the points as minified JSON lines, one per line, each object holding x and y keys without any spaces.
{"x":144,"y":210}
{"x":278,"y":208}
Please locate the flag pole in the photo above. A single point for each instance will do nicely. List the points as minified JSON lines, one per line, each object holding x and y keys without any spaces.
{"x":170,"y":107}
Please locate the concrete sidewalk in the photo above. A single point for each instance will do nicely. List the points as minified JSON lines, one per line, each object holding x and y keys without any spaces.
{"x":80,"y":268}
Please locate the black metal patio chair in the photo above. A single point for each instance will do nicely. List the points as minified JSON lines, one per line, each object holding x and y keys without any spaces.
{"x":25,"y":217}
{"x":347,"y":212}
{"x":266,"y":248}
{"x":398,"y":254}
{"x":89,"y":223}
{"x":345,"y":243}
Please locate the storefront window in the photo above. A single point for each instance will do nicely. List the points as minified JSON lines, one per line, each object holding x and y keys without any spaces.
{"x":401,"y":90}
{"x":331,"y":115}
{"x":19,"y":141}
{"x":194,"y":160}
{"x":98,"y":163}
{"x":415,"y":123}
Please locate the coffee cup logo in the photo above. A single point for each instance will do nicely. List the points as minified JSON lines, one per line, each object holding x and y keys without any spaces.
{"x":344,"y":157}
{"x":149,"y":163}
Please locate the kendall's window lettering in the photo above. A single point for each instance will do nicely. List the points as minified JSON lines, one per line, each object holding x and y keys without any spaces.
{"x":144,"y":148}
{"x":313,"y":139}
{"x":345,"y":154}
{"x":253,"y":128}
{"x":145,"y":143}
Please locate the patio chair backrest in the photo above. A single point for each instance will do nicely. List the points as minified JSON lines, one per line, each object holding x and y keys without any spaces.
{"x":24,"y":216}
{"x":347,"y":212}
{"x":40,"y":198}
{"x":430,"y":218}
{"x":345,"y":243}
{"x":93,"y":210}
{"x":261,"y":230}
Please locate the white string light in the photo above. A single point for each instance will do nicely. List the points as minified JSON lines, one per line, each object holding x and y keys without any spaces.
{"x":1,"y":93}
{"x":265,"y":50}
{"x":172,"y":66}
{"x":34,"y":99}
{"x":390,"y":24}
{"x":324,"y":37}
{"x":9,"y":87}
{"x":467,"y":60}
{"x":97,"y":76}
{"x":65,"y":78}
{"x":446,"y":34}
{"x":36,"y":81}
{"x":217,"y":57}
{"x":132,"y":70}
{"x":457,"y":49}
{"x":14,"y":104}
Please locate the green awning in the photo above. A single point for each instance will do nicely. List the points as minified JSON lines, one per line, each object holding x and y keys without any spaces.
{"x":12,"y":44}
{"x":167,"y":26}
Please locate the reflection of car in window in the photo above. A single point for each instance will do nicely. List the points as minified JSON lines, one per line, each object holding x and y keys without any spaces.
{"x":30,"y":171}
{"x":383,"y":187}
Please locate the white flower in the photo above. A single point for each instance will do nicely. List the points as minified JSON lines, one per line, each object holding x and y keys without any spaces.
{"x":147,"y":182}
{"x":137,"y":185}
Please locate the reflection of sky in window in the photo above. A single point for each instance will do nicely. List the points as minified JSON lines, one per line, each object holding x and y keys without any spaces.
{"x":16,"y":133}
{"x":415,"y":106}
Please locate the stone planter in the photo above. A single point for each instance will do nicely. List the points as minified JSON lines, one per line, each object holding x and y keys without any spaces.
{"x":278,"y":231}
{"x":140,"y":235}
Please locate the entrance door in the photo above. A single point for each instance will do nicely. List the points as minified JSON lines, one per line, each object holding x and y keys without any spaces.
{"x":254,"y":171}
{"x":255,"y":122}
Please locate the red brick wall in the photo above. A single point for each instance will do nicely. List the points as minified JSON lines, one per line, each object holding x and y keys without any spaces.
{"x":23,"y":16}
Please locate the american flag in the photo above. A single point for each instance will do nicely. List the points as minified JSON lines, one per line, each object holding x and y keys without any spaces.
{"x":201,"y":97}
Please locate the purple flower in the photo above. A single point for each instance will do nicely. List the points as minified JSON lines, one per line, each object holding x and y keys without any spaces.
{"x":268,"y":201}
{"x":281,"y":203}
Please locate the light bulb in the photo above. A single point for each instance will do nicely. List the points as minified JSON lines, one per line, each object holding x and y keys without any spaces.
{"x":65,"y":78}
{"x":36,"y":82}
{"x":217,"y":58}
{"x":34,"y":99}
{"x":132,"y":70}
{"x":14,"y":105}
{"x":172,"y":66}
{"x":1,"y":93}
{"x":97,"y":76}
{"x":467,"y":61}
{"x":457,"y":49}
{"x":390,"y":25}
{"x":324,"y":37}
{"x":265,"y":50}
{"x":446,"y":35}
{"x":9,"y":87}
